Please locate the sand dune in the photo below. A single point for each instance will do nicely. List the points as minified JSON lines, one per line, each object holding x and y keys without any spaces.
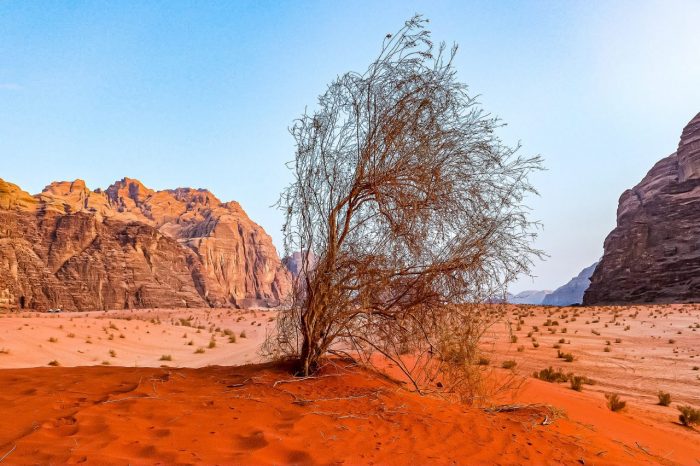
{"x":224,"y":415}
{"x":206,"y":407}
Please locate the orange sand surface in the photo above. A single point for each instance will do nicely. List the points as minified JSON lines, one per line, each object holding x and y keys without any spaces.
{"x":207,"y":407}
{"x":260,"y":415}
{"x":650,"y":348}
{"x":136,"y":338}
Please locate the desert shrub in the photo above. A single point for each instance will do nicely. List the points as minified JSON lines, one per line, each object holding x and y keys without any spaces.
{"x":535,"y":344}
{"x":54,"y":363}
{"x":113,"y":353}
{"x":614,"y":403}
{"x":212,"y":344}
{"x":232,"y":339}
{"x":671,"y":340}
{"x":568,"y":357}
{"x":71,"y":335}
{"x":483,"y":361}
{"x":242,"y":334}
{"x":664,"y":398}
{"x":199,"y":350}
{"x":513,"y":338}
{"x":166,"y":357}
{"x":607,"y":349}
{"x":411,"y":206}
{"x":510,"y":364}
{"x":53,"y":340}
{"x":562,"y":341}
{"x":550,"y":375}
{"x":689,"y":416}
{"x":576,"y":382}
{"x":586,"y":381}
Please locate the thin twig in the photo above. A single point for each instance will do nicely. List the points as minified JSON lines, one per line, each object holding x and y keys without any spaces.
{"x":8,"y":453}
{"x":303,"y":401}
{"x":337,"y":415}
{"x":643,"y":449}
{"x":300,"y":379}
{"x":131,"y":398}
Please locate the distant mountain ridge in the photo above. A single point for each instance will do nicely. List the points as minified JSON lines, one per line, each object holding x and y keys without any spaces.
{"x":572,"y":292}
{"x":566,"y":295}
{"x":527,"y":297}
{"x":130,"y":246}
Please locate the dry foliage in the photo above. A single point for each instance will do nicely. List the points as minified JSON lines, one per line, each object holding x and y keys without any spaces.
{"x":409,"y":212}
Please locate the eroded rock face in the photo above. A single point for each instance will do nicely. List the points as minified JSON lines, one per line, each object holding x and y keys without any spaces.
{"x":653,"y":255}
{"x":130,"y":246}
{"x":571,"y":292}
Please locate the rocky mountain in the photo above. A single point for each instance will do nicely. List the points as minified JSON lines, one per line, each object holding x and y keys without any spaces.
{"x":572,"y":291}
{"x":130,"y":246}
{"x":653,"y":254}
{"x":527,"y":297}
{"x":294,"y":262}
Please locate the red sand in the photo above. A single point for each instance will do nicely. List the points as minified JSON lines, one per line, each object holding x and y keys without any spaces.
{"x":224,"y":415}
{"x":236,"y":414}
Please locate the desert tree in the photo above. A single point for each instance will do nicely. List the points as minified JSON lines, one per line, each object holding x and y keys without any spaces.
{"x":409,"y":212}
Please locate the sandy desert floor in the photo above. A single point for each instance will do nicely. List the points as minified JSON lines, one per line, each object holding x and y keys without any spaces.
{"x":204,"y":406}
{"x":135,"y":338}
{"x":634,"y":351}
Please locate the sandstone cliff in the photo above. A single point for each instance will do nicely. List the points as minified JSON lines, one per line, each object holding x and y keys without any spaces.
{"x":653,"y":255}
{"x":130,"y":246}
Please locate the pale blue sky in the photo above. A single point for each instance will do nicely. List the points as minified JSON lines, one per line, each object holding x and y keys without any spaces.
{"x":201,"y":94}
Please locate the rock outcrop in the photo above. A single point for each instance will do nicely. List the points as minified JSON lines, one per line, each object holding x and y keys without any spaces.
{"x":572,"y":291}
{"x":130,"y":246}
{"x":653,"y":254}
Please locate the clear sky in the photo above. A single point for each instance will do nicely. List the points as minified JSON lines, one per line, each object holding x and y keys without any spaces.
{"x":201,"y":94}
